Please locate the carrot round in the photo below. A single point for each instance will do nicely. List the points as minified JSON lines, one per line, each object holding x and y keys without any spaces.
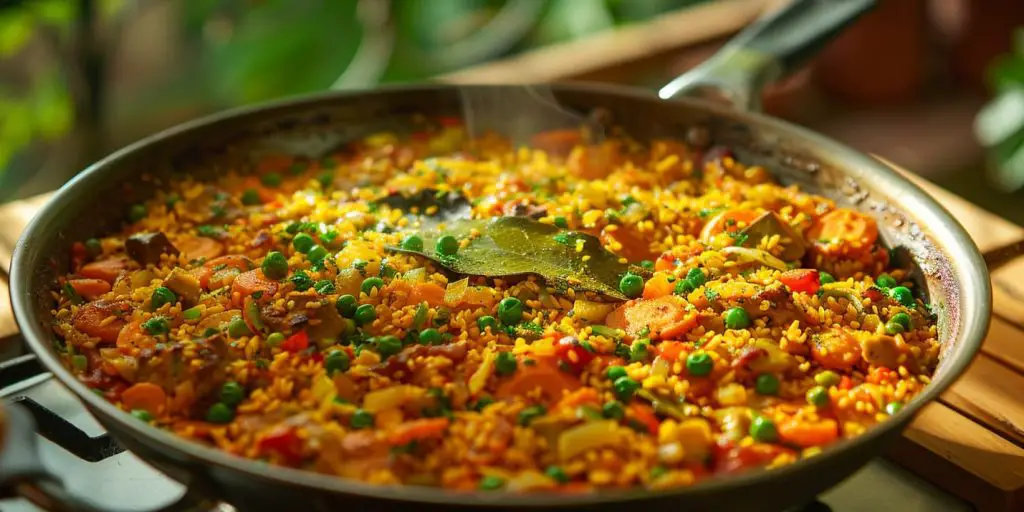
{"x":90,"y":288}
{"x":133,"y":335}
{"x":543,"y":375}
{"x":844,"y":232}
{"x":92,"y":318}
{"x":729,"y":220}
{"x":105,"y":270}
{"x":418,"y":430}
{"x":666,"y":317}
{"x":144,"y":396}
{"x":248,"y":283}
{"x":430,"y":293}
{"x":807,"y":434}
{"x":196,"y":247}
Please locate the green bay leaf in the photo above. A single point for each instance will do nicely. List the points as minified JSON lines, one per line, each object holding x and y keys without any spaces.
{"x":510,"y":246}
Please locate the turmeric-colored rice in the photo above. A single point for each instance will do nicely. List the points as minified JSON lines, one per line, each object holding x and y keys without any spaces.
{"x":737,"y":348}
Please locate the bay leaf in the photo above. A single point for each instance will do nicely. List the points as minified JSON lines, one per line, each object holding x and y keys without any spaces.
{"x":509,"y":246}
{"x":431,"y":206}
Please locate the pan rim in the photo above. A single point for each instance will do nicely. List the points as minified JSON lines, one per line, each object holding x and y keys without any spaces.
{"x":969,"y":270}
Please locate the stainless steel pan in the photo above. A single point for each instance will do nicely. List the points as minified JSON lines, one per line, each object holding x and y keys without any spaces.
{"x":925,"y":237}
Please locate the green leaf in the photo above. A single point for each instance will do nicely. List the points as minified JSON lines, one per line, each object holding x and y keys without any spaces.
{"x":443,"y":206}
{"x":508,"y":246}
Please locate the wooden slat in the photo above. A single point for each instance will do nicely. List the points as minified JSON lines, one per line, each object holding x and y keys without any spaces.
{"x":990,"y":392}
{"x":994,"y":479}
{"x":1004,"y":344}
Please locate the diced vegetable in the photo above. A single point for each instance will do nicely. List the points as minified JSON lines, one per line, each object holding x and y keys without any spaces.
{"x":391,"y":398}
{"x":90,"y":289}
{"x":185,"y":285}
{"x":145,"y":396}
{"x":801,"y":280}
{"x":807,"y":434}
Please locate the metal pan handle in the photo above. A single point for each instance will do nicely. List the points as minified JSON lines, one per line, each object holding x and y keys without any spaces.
{"x":23,"y":473}
{"x":769,"y":49}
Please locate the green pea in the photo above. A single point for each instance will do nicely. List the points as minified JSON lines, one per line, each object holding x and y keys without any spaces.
{"x":161,"y":296}
{"x":892,"y":408}
{"x":616,"y":372}
{"x":737,"y":318}
{"x":825,"y":277}
{"x":527,"y":415}
{"x":137,"y":212}
{"x":902,"y":319}
{"x":613,"y":410}
{"x":142,"y":415}
{"x":301,"y":280}
{"x":251,"y":197}
{"x":365,"y":314}
{"x":827,"y":378}
{"x":638,"y":351}
{"x":336,"y":361}
{"x":818,"y":397}
{"x":346,"y":305}
{"x":79,"y":362}
{"x":193,"y":313}
{"x":763,"y":430}
{"x":491,"y":483}
{"x":510,"y":310}
{"x":903,"y":295}
{"x":412,"y":243}
{"x":624,"y":387}
{"x":557,"y":474}
{"x":237,"y":328}
{"x":303,"y":242}
{"x":275,"y":265}
{"x":699,"y":364}
{"x":275,"y":339}
{"x":388,"y":346}
{"x":647,"y":265}
{"x":505,"y":363}
{"x":232,"y":393}
{"x":370,"y":283}
{"x":317,"y":253}
{"x":767,"y":384}
{"x":885,"y":281}
{"x":683,"y":287}
{"x":447,"y":245}
{"x":561,"y":222}
{"x":220,"y":413}
{"x":156,"y":325}
{"x":271,"y":179}
{"x":893,"y":328}
{"x":361,"y":419}
{"x":324,"y":287}
{"x":482,"y":403}
{"x":93,"y":246}
{"x":487,"y":322}
{"x":430,"y":336}
{"x":631,"y":285}
{"x":696,"y":277}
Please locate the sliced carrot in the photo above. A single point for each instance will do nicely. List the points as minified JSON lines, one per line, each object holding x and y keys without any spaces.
{"x":248,"y":283}
{"x":644,"y":414}
{"x":672,"y":350}
{"x":90,"y":288}
{"x":844,"y":232}
{"x":430,"y":293}
{"x":559,"y":142}
{"x":203,"y":275}
{"x":133,"y":335}
{"x":144,"y":396}
{"x":106,"y":270}
{"x":729,"y":220}
{"x":196,"y":247}
{"x":238,"y":261}
{"x":807,"y":434}
{"x":658,"y":286}
{"x":418,"y":430}
{"x":542,"y":375}
{"x":665,"y":317}
{"x":92,"y":318}
{"x":595,"y":161}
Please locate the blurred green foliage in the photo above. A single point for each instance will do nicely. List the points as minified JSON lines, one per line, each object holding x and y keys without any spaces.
{"x":242,"y":51}
{"x":999,"y":125}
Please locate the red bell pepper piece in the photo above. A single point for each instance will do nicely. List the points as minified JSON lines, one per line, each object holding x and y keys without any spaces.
{"x":296,"y":342}
{"x":283,"y":441}
{"x":572,"y":355}
{"x":804,"y":280}
{"x":644,"y":415}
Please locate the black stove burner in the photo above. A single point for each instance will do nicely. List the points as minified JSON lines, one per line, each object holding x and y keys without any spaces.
{"x":50,"y":425}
